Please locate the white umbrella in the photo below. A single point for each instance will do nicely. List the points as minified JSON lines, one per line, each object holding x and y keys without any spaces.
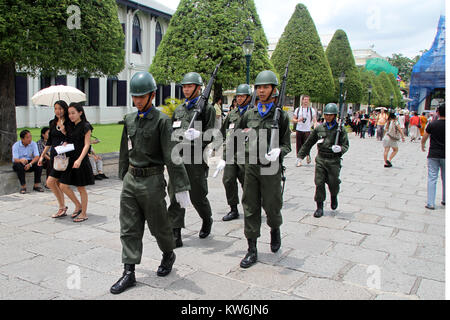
{"x":50,"y":95}
{"x":379,"y":108}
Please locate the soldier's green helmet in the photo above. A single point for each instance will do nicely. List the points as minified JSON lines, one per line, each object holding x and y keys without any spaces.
{"x":192,"y":78}
{"x":331,"y":108}
{"x":243,"y":89}
{"x":266,"y":77}
{"x":142,"y":83}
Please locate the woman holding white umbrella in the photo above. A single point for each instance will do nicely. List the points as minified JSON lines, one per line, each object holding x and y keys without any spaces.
{"x":56,"y":137}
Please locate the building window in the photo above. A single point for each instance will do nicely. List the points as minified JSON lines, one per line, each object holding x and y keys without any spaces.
{"x":21,"y":89}
{"x":137,"y":44}
{"x":158,"y":36}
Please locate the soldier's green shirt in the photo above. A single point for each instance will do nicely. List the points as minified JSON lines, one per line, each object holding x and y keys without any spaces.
{"x":329,"y":138}
{"x":253,"y":120}
{"x":230,"y":125}
{"x":182,"y":117}
{"x":151,"y":145}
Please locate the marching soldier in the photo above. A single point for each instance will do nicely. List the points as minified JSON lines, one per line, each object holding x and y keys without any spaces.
{"x":234,"y":171}
{"x":260,"y":188}
{"x":197,"y":172}
{"x":145,"y":148}
{"x":328,"y":160}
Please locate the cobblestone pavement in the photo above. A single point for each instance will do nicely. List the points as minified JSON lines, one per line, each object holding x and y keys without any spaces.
{"x":381,"y":243}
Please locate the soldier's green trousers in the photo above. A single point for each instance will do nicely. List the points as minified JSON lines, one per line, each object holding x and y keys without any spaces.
{"x":198,"y":175}
{"x":231,"y":174}
{"x":327,"y":171}
{"x":261,"y":190}
{"x":143,"y":200}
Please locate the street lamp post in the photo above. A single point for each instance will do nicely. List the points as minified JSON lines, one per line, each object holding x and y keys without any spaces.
{"x":341,"y":84}
{"x":392,"y":98}
{"x":370,"y":94}
{"x":248,"y":46}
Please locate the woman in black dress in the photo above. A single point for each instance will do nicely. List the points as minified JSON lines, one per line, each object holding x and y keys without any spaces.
{"x":79,"y":172}
{"x":56,"y":137}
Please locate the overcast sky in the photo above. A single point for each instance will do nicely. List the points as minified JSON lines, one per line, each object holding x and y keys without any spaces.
{"x":392,"y":26}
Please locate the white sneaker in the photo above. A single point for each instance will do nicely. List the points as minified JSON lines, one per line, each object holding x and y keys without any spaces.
{"x":299,"y":163}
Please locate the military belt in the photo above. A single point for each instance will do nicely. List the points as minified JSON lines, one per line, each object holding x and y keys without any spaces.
{"x":146,"y":172}
{"x":330,"y":155}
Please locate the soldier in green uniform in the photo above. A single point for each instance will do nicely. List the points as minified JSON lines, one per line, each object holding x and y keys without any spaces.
{"x":262,"y":188}
{"x":234,"y":171}
{"x":328,"y":160}
{"x":145,"y":148}
{"x":197,"y":169}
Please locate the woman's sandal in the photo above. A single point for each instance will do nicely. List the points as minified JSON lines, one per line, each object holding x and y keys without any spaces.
{"x":61,"y":213}
{"x":76,"y":214}
{"x":23,"y":190}
{"x":80,"y":219}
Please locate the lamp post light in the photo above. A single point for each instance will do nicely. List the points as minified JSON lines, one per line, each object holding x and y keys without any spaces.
{"x":248,"y":46}
{"x":341,"y":84}
{"x":369,"y":90}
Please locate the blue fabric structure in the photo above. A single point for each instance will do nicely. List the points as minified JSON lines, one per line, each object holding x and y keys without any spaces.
{"x":429,"y":72}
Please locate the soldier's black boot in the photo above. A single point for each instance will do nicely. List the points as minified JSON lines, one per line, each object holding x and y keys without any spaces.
{"x":319,"y":211}
{"x":233,"y":214}
{"x":334,"y":202}
{"x":127,"y":280}
{"x":252,"y":255}
{"x":177,"y":236}
{"x":275,"y":239}
{"x":166,"y":264}
{"x":206,"y":228}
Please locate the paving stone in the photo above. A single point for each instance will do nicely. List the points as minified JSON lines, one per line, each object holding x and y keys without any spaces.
{"x":340,"y":236}
{"x":325,"y":289}
{"x":369,"y":229}
{"x":389,"y":245}
{"x":375,"y":277}
{"x":270,"y":277}
{"x":204,"y":285}
{"x":357,"y":254}
{"x":420,"y":238}
{"x":321,"y":266}
{"x":431,"y":290}
{"x":416,"y":267}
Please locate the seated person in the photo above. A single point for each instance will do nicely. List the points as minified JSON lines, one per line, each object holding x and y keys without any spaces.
{"x":25,"y":155}
{"x":47,"y":164}
{"x":97,"y":165}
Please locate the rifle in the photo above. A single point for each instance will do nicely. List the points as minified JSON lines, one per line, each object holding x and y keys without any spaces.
{"x":252,"y":103}
{"x":279,"y":106}
{"x":341,"y":122}
{"x":203,"y":100}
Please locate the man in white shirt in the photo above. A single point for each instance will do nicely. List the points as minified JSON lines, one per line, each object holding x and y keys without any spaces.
{"x":304,"y":118}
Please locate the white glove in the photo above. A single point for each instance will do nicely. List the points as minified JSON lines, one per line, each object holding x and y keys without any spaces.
{"x":220,"y":166}
{"x":183,"y":199}
{"x":336,"y":148}
{"x":192,"y":134}
{"x":273,"y":154}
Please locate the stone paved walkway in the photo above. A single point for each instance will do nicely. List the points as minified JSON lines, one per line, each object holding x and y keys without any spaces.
{"x":381,"y":243}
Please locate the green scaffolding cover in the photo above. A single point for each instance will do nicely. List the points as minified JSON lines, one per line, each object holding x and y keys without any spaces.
{"x":379,"y":65}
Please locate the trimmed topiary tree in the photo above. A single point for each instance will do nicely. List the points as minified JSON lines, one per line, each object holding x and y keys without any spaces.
{"x":340,"y":58}
{"x":203,"y":32}
{"x":309,"y":71}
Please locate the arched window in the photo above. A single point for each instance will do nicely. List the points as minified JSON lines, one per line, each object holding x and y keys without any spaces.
{"x":158,"y":36}
{"x":137,"y":44}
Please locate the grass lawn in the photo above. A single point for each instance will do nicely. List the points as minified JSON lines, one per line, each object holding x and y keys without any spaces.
{"x":108,"y":134}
